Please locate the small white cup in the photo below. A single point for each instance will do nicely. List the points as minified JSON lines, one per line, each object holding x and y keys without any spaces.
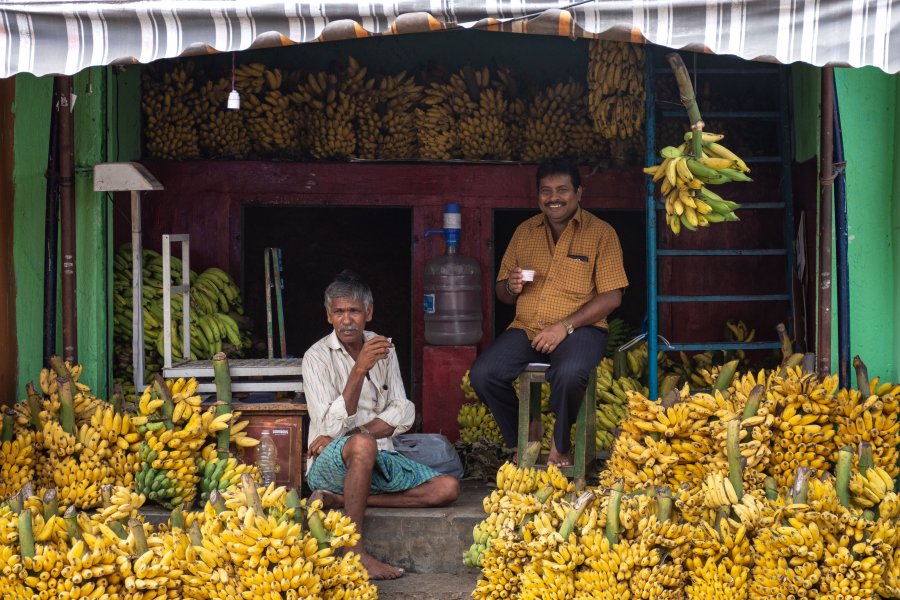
{"x":527,"y":274}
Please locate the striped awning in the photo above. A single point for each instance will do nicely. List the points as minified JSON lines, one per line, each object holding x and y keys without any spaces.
{"x":50,"y":37}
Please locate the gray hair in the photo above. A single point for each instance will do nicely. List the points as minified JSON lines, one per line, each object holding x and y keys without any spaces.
{"x":348,"y":284}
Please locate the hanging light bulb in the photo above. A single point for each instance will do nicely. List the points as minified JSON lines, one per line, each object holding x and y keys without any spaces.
{"x":234,"y":99}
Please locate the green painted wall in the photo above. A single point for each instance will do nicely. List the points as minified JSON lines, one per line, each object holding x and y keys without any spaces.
{"x":867,"y":99}
{"x":32,"y":130}
{"x":99,"y":93}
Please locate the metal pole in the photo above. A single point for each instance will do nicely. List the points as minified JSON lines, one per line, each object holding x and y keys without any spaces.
{"x":137,"y":294}
{"x":51,"y":232}
{"x":826,"y":168}
{"x":67,"y":218}
{"x":841,"y":252}
{"x":652,"y":306}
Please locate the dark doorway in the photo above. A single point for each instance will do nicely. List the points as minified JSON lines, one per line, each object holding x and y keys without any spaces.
{"x":319,"y":242}
{"x":629,"y":225}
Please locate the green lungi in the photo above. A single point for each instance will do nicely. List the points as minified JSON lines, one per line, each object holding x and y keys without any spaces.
{"x":392,"y":473}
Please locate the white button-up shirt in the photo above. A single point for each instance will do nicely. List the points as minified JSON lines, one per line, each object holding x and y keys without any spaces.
{"x":326,"y":368}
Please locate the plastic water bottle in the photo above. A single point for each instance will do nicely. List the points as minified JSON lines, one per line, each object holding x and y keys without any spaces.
{"x":266,"y":458}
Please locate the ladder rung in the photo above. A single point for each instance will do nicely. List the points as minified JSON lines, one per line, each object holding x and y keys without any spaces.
{"x":735,"y":252}
{"x":707,"y":116}
{"x":722,"y":346}
{"x":724,"y":298}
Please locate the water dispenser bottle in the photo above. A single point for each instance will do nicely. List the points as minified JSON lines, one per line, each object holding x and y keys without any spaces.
{"x":452,"y":285}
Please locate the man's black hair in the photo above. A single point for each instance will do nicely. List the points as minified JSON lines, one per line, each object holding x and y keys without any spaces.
{"x":559,"y":166}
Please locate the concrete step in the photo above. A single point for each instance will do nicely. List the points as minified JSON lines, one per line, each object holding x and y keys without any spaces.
{"x":428,"y":540}
{"x":427,"y":586}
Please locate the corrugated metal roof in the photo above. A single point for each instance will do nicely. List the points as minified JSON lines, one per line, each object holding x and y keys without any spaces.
{"x":48,"y":37}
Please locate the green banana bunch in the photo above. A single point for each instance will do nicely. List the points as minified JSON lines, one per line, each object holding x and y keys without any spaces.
{"x":684,"y":179}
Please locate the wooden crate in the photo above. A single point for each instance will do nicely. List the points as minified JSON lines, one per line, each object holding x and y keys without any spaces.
{"x":285,"y":422}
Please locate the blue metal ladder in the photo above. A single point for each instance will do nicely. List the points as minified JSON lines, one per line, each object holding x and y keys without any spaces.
{"x":785,"y":203}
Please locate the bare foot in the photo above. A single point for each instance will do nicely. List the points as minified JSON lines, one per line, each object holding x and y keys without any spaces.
{"x":377,"y":569}
{"x":535,"y":431}
{"x":558,"y":459}
{"x":329,"y":499}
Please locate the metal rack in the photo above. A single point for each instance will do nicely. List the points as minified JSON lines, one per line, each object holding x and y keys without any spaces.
{"x":654,"y":296}
{"x":249,"y":374}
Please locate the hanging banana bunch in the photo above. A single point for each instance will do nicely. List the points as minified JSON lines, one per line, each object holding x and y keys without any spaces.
{"x":616,"y":95}
{"x":168,"y":102}
{"x":551,"y":116}
{"x":222,"y":132}
{"x":272,"y":120}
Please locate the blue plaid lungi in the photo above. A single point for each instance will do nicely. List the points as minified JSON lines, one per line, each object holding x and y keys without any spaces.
{"x":393,"y":472}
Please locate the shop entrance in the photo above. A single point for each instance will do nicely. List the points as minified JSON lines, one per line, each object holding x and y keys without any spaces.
{"x":317,"y":243}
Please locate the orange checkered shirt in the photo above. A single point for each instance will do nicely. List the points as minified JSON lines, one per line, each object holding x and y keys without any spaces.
{"x":585,"y":262}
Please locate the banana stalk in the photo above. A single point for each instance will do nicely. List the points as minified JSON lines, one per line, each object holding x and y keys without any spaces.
{"x":530,"y":456}
{"x":612,"y":512}
{"x":66,"y":405}
{"x":292,"y":500}
{"x":58,"y":365}
{"x":800,"y":490}
{"x":318,"y":531}
{"x":35,"y":404}
{"x":862,"y":376}
{"x":118,"y":399}
{"x":72,"y":528}
{"x":726,"y":375}
{"x":51,"y":504}
{"x":568,"y":524}
{"x":752,"y":406}
{"x":771,"y":488}
{"x":217,"y":501}
{"x":177,"y":519}
{"x":9,"y":423}
{"x":16,"y":502}
{"x":665,"y":504}
{"x":26,"y":534}
{"x":809,"y":363}
{"x":689,"y":100}
{"x":168,"y":407}
{"x":620,"y":364}
{"x":733,"y":452}
{"x":106,"y":494}
{"x":222,"y":377}
{"x":842,"y":475}
{"x":195,"y":535}
{"x":668,"y":384}
{"x":118,"y":529}
{"x":140,"y":540}
{"x":866,"y":459}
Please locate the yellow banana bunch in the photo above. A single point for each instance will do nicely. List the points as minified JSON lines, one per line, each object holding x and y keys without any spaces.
{"x":387,"y":123}
{"x":550,"y":116}
{"x":804,"y":408}
{"x":168,"y":101}
{"x":477,"y":423}
{"x":17,"y":463}
{"x":870,"y":489}
{"x":616,"y":94}
{"x":221,"y":132}
{"x":684,"y":179}
{"x":272,"y":122}
{"x":874,"y":420}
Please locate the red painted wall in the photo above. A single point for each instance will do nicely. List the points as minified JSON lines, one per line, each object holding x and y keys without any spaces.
{"x":205,"y":199}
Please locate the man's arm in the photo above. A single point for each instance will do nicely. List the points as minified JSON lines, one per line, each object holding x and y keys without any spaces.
{"x":597,"y":308}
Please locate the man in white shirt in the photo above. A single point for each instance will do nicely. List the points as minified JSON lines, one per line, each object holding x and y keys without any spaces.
{"x":357,"y":403}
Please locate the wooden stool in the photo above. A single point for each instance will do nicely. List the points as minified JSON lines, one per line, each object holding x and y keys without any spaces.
{"x":583,"y":450}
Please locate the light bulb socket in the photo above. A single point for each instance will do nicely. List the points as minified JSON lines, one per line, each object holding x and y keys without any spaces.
{"x":234,"y":100}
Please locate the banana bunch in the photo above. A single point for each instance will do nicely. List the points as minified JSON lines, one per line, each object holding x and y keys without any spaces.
{"x":477,"y":423}
{"x":168,"y":101}
{"x":223,"y":473}
{"x":329,"y":105}
{"x":873,"y":420}
{"x":616,"y":94}
{"x":272,"y":123}
{"x":222,"y":132}
{"x":215,"y":300}
{"x":803,"y":434}
{"x":725,"y":572}
{"x":445,"y":101}
{"x":685,"y":179}
{"x":17,"y":450}
{"x":119,"y":504}
{"x":618,"y":333}
{"x":551,"y":114}
{"x":386,"y":123}
{"x":870,"y":489}
{"x":250,"y":78}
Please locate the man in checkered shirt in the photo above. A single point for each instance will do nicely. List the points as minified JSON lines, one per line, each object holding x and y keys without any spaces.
{"x":561,"y":314}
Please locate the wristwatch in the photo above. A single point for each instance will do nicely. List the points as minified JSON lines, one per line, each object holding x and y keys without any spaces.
{"x":569,"y":327}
